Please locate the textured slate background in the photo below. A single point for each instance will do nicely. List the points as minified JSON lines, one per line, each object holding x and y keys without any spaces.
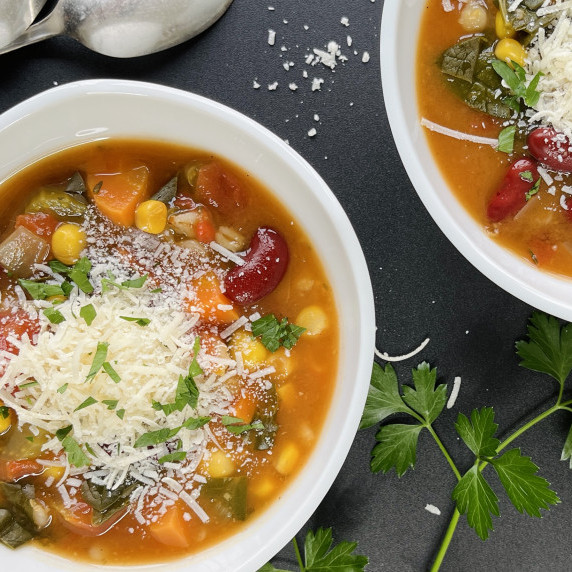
{"x":423,"y":286}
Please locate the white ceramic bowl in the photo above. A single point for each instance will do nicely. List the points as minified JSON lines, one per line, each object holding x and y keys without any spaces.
{"x":88,"y":110}
{"x":399,"y":32}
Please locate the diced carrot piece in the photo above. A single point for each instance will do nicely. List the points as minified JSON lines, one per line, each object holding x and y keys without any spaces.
{"x":205,"y":230}
{"x":117,"y":195}
{"x":13,"y":470}
{"x":541,"y":251}
{"x":244,"y":408}
{"x":211,"y":302}
{"x":171,"y":529}
{"x":41,"y":224}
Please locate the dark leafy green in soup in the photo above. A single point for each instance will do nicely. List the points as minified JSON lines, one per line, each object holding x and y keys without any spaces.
{"x":168,"y":349}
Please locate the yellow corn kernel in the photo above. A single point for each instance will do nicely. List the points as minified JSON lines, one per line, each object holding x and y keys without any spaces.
{"x":263,"y":488}
{"x":314,"y":319}
{"x":252,"y":350}
{"x":219,"y":465}
{"x":68,"y":241}
{"x":5,"y":422}
{"x":287,"y":394}
{"x":151,"y":216}
{"x":502,"y":28}
{"x":473,"y":17}
{"x":287,"y":459}
{"x":509,"y":50}
{"x":56,"y":473}
{"x":281,"y":362}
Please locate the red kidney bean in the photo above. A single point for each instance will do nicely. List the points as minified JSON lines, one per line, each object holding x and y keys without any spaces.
{"x":511,"y":196}
{"x":264,"y":266}
{"x":551,"y":148}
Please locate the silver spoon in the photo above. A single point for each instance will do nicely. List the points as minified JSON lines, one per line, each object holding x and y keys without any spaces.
{"x":125,"y":28}
{"x":16,"y":16}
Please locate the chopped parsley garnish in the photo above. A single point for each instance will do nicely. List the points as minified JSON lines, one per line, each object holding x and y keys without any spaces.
{"x":110,"y":371}
{"x":120,"y":413}
{"x":41,"y":290}
{"x":162,"y":435}
{"x":89,"y":401}
{"x":28,"y":384}
{"x":526,"y":176}
{"x":515,"y":78}
{"x":76,"y":456}
{"x":274,"y":333}
{"x":107,"y":283}
{"x":138,"y":321}
{"x":4,"y":412}
{"x":111,"y":403}
{"x":237,"y":426}
{"x":88,"y":313}
{"x":98,"y":360}
{"x":175,"y":457}
{"x":53,"y":315}
{"x":533,"y":190}
{"x":78,"y":274}
{"x":506,"y":139}
{"x":62,"y":388}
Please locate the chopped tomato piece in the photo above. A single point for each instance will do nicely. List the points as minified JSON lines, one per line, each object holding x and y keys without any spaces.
{"x":117,"y":194}
{"x":41,"y":224}
{"x":205,"y":230}
{"x":184,"y":203}
{"x":16,"y":325}
{"x":13,"y":470}
{"x":211,"y":302}
{"x":220,"y":189}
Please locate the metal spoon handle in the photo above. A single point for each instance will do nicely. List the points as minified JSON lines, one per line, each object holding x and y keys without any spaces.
{"x":52,"y":25}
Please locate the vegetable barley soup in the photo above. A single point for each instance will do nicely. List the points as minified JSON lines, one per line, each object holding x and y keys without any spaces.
{"x":496,"y":105}
{"x":168,"y":350}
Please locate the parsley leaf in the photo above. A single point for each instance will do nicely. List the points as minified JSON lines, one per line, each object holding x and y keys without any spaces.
{"x":98,"y":360}
{"x":526,"y":490}
{"x":477,"y":500}
{"x":237,"y":426}
{"x":274,"y":333}
{"x":549,"y":349}
{"x":175,"y":457}
{"x":4,"y":412}
{"x":138,"y":321}
{"x":383,"y":398}
{"x":533,"y":190}
{"x":110,"y":371}
{"x":320,"y":555}
{"x":53,"y":315}
{"x":427,"y":400}
{"x":478,"y":433}
{"x":88,"y":313}
{"x":76,"y":456}
{"x":396,"y":448}
{"x":506,"y":139}
{"x":89,"y":401}
{"x":79,"y":275}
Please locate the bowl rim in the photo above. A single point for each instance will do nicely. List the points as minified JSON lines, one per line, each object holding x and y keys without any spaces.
{"x":295,"y":517}
{"x":544,"y":290}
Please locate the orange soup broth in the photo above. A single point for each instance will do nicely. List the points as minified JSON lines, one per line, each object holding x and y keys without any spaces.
{"x":304,"y":380}
{"x":541,"y":233}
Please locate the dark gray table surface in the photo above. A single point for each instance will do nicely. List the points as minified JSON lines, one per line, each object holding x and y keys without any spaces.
{"x":423,"y":286}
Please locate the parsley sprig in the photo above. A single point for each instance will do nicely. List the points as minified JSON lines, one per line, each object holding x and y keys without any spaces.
{"x":515,"y":77}
{"x":319,"y":556}
{"x":548,"y":350}
{"x":274,"y":333}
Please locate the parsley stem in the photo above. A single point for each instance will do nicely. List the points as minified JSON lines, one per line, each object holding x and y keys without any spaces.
{"x":528,"y":426}
{"x":444,"y":451}
{"x":446,"y":541}
{"x":298,"y":555}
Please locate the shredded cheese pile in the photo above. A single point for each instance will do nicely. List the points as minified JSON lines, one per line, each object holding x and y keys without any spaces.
{"x":550,"y":53}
